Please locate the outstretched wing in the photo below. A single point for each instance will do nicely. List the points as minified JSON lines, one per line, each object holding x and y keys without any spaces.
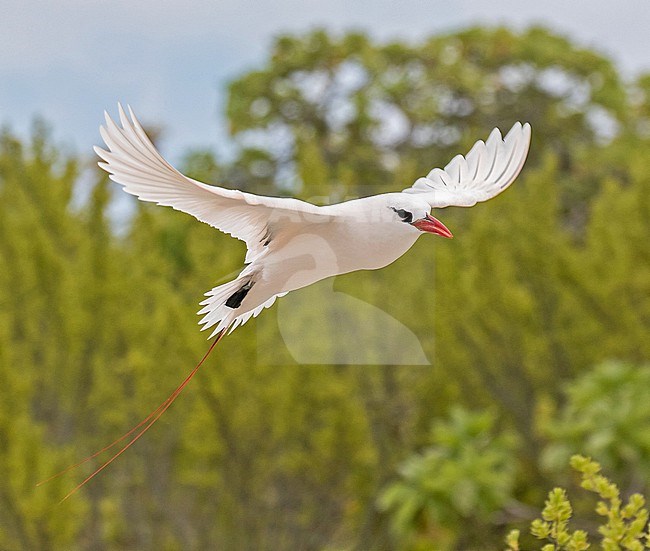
{"x":133,"y":161}
{"x":486,"y":171}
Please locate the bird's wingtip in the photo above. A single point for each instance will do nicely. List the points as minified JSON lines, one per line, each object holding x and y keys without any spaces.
{"x":107,"y":118}
{"x":494,"y":135}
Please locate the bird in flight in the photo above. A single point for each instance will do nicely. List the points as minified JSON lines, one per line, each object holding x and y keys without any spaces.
{"x":291,"y":243}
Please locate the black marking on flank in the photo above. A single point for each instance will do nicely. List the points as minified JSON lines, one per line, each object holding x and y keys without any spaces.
{"x":235,"y":300}
{"x":267,"y":238}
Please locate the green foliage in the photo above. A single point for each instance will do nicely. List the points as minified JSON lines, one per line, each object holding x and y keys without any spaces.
{"x":36,"y":238}
{"x":554,"y":523}
{"x":625,"y":526}
{"x":606,"y":415}
{"x":461,"y":479}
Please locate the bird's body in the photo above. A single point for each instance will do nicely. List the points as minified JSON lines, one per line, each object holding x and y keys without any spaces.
{"x":301,"y":253}
{"x":292,"y":243}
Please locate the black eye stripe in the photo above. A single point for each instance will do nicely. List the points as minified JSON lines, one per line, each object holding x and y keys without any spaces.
{"x":404,"y":215}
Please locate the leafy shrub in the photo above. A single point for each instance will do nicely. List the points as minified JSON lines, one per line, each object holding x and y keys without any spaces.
{"x":607,"y":415}
{"x":625,"y":526}
{"x":466,"y":473}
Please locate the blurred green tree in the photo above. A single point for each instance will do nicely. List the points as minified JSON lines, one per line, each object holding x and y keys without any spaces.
{"x":331,"y":117}
{"x":447,"y":494}
{"x":607,"y":416}
{"x":38,"y":305}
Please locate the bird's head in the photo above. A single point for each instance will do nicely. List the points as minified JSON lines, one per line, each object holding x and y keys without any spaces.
{"x":411,"y":210}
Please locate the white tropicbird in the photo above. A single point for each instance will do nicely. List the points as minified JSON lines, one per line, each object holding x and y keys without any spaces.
{"x":292,"y":243}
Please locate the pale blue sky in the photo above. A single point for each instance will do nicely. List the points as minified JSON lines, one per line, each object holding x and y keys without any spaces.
{"x":68,"y":60}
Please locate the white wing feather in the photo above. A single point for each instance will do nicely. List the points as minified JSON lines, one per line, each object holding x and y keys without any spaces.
{"x":486,"y":171}
{"x":133,"y":161}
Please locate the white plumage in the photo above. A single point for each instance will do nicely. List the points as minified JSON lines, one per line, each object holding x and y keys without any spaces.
{"x":488,"y":169}
{"x":292,"y":243}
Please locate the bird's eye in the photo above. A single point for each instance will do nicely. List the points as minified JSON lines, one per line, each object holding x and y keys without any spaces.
{"x":404,"y":215}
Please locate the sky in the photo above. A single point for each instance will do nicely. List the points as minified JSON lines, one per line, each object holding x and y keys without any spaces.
{"x":69,"y":60}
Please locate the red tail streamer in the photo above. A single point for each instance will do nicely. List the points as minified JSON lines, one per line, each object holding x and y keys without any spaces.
{"x":148,"y":421}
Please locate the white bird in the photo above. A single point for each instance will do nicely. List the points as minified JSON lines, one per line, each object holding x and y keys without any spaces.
{"x":292,"y":243}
